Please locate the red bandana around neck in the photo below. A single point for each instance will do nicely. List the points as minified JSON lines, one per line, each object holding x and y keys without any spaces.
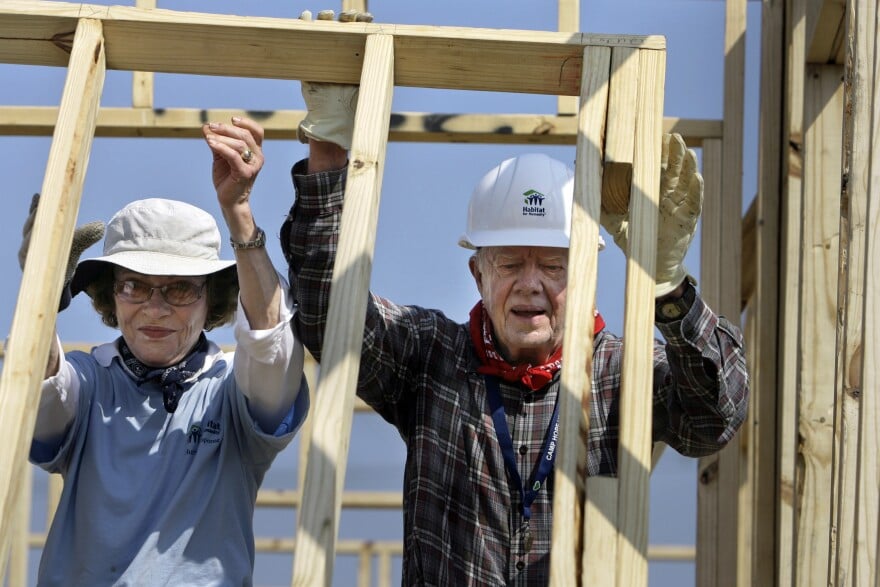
{"x":532,"y":376}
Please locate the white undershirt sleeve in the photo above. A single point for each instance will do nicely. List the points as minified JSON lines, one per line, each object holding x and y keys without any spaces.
{"x":268,"y":364}
{"x":59,"y":398}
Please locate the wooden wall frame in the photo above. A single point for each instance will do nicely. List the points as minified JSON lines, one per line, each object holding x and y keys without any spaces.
{"x":88,"y":39}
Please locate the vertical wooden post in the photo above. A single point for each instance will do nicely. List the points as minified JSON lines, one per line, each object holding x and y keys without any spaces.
{"x":823,"y":109}
{"x":732,"y":145}
{"x":600,"y":517}
{"x":621,"y":134}
{"x":142,"y":81}
{"x":734,"y":488}
{"x":710,"y":228}
{"x":384,"y":572}
{"x":637,"y":375}
{"x":365,"y":565}
{"x":18,"y":557}
{"x":55,"y":485}
{"x":360,"y":5}
{"x":575,"y":396}
{"x":33,"y":324}
{"x":568,"y":21}
{"x":869,"y":357}
{"x":719,"y":549}
{"x":305,"y":433}
{"x":710,"y":288}
{"x":789,"y":241}
{"x":600,"y":532}
{"x":858,"y":348}
{"x":318,"y":519}
{"x":763,"y":312}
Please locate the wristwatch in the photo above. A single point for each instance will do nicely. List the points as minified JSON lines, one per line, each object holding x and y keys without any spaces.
{"x":670,"y":310}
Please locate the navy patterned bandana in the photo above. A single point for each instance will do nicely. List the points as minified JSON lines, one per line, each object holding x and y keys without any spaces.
{"x":172,"y":378}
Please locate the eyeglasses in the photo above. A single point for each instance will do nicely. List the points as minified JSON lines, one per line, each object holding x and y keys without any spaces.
{"x":178,"y":293}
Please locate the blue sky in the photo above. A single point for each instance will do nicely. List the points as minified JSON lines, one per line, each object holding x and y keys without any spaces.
{"x":426,"y":187}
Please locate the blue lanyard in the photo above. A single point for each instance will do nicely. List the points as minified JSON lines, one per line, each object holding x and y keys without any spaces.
{"x":548,"y":451}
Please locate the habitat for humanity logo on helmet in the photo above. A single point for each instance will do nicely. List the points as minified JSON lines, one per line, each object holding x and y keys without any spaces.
{"x":533,"y":203}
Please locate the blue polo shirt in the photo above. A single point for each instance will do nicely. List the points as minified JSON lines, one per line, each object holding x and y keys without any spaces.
{"x":152,"y":498}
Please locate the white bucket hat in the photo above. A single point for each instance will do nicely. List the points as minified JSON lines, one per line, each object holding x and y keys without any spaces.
{"x":156,"y":236}
{"x":524,"y":201}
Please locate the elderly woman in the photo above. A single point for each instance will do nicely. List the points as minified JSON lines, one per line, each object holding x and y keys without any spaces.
{"x":163,"y":439}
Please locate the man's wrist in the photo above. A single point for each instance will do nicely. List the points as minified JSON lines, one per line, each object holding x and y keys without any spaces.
{"x":324,"y":156}
{"x":674,"y":305}
{"x":674,"y":294}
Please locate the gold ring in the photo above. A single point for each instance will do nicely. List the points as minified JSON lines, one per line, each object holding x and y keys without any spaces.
{"x":247,"y":155}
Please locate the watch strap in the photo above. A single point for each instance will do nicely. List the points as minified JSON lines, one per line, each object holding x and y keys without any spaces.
{"x":670,"y":310}
{"x":257,"y":243}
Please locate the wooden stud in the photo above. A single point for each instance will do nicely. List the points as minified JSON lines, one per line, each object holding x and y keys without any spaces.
{"x":385,"y":568}
{"x":365,"y":567}
{"x":710,"y":225}
{"x":318,"y":520}
{"x":568,"y":21}
{"x":574,"y":401}
{"x":617,"y":178}
{"x":749,"y":269}
{"x":285,"y":498}
{"x":788,"y":212}
{"x":636,"y":380}
{"x":21,"y":528}
{"x":710,"y":288}
{"x":825,"y":31}
{"x":53,"y":497}
{"x":858,"y":348}
{"x":657,"y":452}
{"x":732,"y":145}
{"x":537,"y":62}
{"x":760,"y":266}
{"x":600,"y":532}
{"x":733,"y":490}
{"x":33,"y":324}
{"x":305,"y":439}
{"x":142,"y":89}
{"x":823,"y":109}
{"x":359,"y":5}
{"x":142,"y":81}
{"x":751,"y":332}
{"x":534,"y":129}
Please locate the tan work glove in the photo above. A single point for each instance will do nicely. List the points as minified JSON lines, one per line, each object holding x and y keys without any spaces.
{"x":331,"y":107}
{"x":681,"y":200}
{"x":83,"y":237}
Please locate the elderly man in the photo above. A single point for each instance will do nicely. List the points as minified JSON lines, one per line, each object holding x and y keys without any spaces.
{"x":475,"y":402}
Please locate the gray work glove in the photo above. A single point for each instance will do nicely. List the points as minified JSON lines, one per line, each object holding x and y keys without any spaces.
{"x":83,"y":237}
{"x":681,"y":200}
{"x":331,"y":107}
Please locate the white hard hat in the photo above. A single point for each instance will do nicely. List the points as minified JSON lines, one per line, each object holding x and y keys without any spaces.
{"x":524,"y":201}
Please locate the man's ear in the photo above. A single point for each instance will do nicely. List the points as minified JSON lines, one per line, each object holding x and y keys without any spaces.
{"x":475,"y":271}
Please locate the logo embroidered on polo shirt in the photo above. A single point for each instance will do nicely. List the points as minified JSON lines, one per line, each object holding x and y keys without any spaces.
{"x":195,"y":434}
{"x":198,"y":435}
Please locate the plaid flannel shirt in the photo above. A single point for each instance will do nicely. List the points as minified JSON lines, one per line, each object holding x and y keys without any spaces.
{"x":462,"y":517}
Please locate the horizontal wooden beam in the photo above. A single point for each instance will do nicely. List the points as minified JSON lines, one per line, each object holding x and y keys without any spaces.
{"x":354,"y":546}
{"x":281,"y":498}
{"x":534,"y":62}
{"x":546,"y":129}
